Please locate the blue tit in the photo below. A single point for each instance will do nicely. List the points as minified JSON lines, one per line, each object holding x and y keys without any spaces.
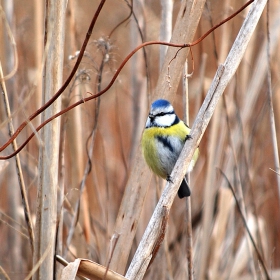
{"x":163,"y":140}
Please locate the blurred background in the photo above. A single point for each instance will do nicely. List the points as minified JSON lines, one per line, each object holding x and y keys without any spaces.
{"x":100,"y":138}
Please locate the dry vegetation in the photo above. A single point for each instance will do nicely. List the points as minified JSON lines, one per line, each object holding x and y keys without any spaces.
{"x":99,"y":142}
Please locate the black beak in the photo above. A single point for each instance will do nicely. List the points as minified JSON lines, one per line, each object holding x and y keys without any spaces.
{"x":152,"y":117}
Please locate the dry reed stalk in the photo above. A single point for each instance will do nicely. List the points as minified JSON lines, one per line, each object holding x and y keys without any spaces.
{"x":202,"y":82}
{"x":75,"y":132}
{"x":271,"y":110}
{"x":77,"y":207}
{"x":139,"y":80}
{"x":75,"y":124}
{"x":46,"y":215}
{"x":137,"y":185}
{"x":60,"y":196}
{"x":165,"y":27}
{"x":225,"y":35}
{"x":86,"y":268}
{"x":246,"y":65}
{"x":189,"y":248}
{"x":224,"y":73}
{"x":38,"y":26}
{"x":276,"y":99}
{"x":75,"y":166}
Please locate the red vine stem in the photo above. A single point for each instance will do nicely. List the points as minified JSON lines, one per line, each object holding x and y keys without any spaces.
{"x":60,"y":91}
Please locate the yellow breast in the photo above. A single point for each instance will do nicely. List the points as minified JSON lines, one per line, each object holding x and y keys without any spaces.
{"x":150,"y":148}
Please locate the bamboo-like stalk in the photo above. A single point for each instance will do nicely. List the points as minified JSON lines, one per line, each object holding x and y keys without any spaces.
{"x":138,"y":80}
{"x":224,"y":73}
{"x":46,"y":215}
{"x":86,"y":268}
{"x":75,"y":131}
{"x":165,"y":27}
{"x":271,"y":110}
{"x":38,"y":26}
{"x":137,"y":185}
{"x":189,"y":247}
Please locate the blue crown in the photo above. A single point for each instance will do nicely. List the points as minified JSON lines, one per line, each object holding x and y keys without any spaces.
{"x":160,"y":103}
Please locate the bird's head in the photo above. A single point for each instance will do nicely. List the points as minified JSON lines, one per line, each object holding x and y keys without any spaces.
{"x":161,"y":114}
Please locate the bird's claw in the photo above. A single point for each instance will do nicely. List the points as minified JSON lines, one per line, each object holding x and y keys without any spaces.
{"x":169,"y":179}
{"x":188,"y":137}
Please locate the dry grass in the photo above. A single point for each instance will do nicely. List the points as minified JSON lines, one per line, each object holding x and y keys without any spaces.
{"x":100,"y":139}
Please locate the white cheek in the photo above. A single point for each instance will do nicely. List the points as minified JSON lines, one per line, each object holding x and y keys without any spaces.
{"x":165,"y":120}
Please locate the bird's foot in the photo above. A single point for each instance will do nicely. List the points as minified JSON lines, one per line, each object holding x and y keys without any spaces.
{"x":188,"y":137}
{"x":169,"y":179}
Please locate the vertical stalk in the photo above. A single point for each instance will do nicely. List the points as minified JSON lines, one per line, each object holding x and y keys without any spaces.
{"x":48,"y":168}
{"x":165,"y":27}
{"x":138,"y":80}
{"x":189,"y":249}
{"x":271,"y":111}
{"x":38,"y":32}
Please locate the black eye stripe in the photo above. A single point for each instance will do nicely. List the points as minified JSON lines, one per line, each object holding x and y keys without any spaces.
{"x":164,"y":113}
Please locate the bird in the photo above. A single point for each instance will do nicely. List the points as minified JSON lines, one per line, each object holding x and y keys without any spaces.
{"x":162,"y":142}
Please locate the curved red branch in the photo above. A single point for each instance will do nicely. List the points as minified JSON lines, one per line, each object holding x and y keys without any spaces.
{"x":181,"y":46}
